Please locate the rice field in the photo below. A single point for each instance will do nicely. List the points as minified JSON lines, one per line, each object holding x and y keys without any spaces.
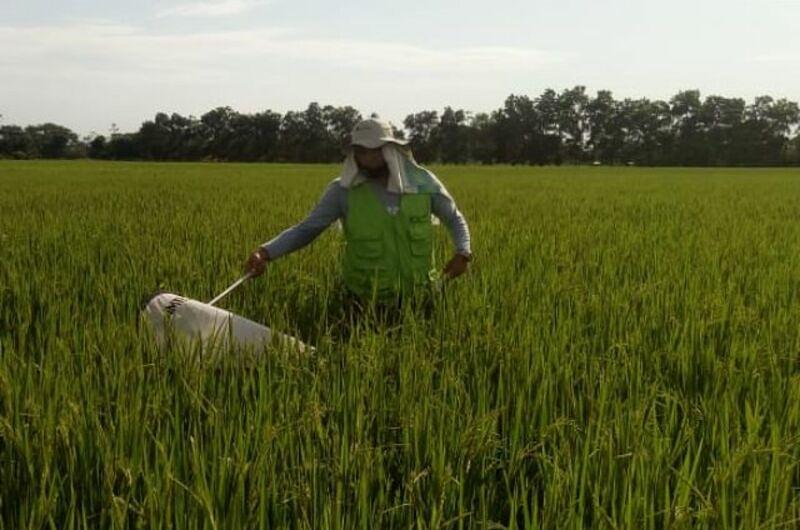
{"x":624,"y":353}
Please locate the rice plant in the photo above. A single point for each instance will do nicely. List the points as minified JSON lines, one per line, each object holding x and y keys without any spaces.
{"x":624,"y":353}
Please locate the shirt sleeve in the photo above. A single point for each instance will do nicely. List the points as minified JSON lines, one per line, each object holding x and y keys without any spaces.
{"x":327,"y":210}
{"x":445,"y":209}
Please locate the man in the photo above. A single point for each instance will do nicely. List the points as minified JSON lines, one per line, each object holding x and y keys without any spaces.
{"x":385,"y":200}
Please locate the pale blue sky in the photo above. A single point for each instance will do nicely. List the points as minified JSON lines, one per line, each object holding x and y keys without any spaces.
{"x":88,"y":63}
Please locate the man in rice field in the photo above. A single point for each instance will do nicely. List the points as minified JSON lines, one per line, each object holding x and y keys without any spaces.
{"x":385,"y":201}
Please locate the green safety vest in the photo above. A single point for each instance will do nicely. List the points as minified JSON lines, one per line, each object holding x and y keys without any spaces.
{"x":386,"y":255}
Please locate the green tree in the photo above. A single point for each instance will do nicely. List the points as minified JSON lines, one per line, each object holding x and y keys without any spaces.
{"x":572,"y":122}
{"x":423,"y":135}
{"x":124,"y":146}
{"x":256,"y":137}
{"x":764,"y":135}
{"x":97,"y":147}
{"x":483,"y":130}
{"x":14,"y":142}
{"x":220,"y":133}
{"x":647,"y":132}
{"x":605,"y":132}
{"x":454,"y":136}
{"x":339,"y":121}
{"x":519,"y":133}
{"x":721,"y":119}
{"x":793,"y":151}
{"x":49,"y":140}
{"x":690,"y":148}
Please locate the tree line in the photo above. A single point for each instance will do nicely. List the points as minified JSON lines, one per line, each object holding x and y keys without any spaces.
{"x":570,"y":126}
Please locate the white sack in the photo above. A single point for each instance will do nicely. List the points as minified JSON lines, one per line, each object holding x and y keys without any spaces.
{"x":193,"y":320}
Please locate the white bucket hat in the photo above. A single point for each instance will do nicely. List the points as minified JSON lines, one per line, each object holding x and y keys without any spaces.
{"x":373,"y":133}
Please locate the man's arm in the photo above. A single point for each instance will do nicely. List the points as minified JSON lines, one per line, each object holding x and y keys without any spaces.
{"x":445,"y":209}
{"x":327,"y":210}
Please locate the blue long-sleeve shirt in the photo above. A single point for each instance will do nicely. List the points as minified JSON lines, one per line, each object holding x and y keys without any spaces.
{"x":333,"y":206}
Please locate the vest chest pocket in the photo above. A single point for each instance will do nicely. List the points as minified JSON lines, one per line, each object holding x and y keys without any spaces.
{"x":419,"y":229}
{"x":419,"y":235}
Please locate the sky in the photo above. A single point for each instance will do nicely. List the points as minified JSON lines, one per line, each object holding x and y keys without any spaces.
{"x":87,"y":64}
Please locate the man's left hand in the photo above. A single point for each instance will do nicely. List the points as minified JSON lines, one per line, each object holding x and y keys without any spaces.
{"x":456,"y":267}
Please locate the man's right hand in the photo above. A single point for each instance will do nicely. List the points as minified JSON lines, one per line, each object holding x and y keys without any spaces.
{"x":257,"y":262}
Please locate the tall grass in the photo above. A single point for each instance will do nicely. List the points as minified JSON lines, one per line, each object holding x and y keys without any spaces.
{"x":624,"y":353}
